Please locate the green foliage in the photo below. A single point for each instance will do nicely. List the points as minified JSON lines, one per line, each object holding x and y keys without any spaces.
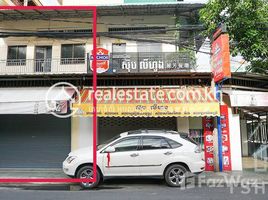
{"x":247,"y":25}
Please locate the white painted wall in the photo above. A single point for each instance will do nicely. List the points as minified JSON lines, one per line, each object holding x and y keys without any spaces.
{"x":103,"y":24}
{"x":85,"y":132}
{"x":244,"y":137}
{"x":235,"y":140}
{"x":82,"y":132}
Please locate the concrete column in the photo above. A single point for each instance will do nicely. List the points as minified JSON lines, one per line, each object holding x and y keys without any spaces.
{"x":82,"y":132}
{"x":74,"y":133}
{"x":183,"y":124}
{"x":244,"y":136}
{"x":235,"y":140}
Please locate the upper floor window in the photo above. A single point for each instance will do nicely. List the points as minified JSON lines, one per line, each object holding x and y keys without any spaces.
{"x":16,"y":55}
{"x":72,"y":53}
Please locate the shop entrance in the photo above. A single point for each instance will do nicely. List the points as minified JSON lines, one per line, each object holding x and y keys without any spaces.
{"x":112,"y":126}
{"x":34,"y":141}
{"x":255,"y":142}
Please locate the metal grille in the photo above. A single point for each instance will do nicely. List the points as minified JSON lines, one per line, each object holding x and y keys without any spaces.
{"x":111,"y":126}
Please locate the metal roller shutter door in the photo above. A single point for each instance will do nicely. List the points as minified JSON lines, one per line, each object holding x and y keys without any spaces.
{"x":111,"y":126}
{"x":34,"y":141}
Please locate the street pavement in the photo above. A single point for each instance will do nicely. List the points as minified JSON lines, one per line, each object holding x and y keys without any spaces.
{"x":137,"y":189}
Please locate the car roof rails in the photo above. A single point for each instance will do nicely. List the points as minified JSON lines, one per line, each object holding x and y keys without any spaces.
{"x":140,"y":131}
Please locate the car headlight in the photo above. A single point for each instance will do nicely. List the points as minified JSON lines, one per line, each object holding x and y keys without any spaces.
{"x":70,"y":159}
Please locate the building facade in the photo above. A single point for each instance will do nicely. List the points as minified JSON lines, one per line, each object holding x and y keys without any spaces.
{"x":139,"y":46}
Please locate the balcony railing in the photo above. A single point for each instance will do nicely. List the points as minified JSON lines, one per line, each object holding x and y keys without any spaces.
{"x":119,"y":63}
{"x":43,"y":66}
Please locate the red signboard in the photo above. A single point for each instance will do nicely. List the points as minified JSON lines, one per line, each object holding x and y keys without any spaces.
{"x":220,"y":60}
{"x":208,"y":143}
{"x":102,"y":58}
{"x":226,"y":148}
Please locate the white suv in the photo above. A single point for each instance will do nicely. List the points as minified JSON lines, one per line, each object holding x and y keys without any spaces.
{"x":167,"y":154}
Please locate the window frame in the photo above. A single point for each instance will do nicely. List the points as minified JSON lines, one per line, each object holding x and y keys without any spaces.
{"x":72,"y":60}
{"x":180,"y":145}
{"x":123,"y":139}
{"x":16,"y":62}
{"x":160,"y":137}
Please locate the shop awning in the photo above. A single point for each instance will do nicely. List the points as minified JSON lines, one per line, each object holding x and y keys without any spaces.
{"x":34,"y":100}
{"x":149,"y":102}
{"x":240,"y":98}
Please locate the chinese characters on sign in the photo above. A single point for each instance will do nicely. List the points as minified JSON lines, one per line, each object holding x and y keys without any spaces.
{"x":208,"y":143}
{"x":141,"y":62}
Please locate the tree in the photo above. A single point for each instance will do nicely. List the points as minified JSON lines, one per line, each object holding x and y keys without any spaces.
{"x":247,"y":25}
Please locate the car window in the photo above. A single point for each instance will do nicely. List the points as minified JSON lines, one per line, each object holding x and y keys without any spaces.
{"x":127,"y":144}
{"x":107,"y":142}
{"x":149,"y":143}
{"x":173,"y":144}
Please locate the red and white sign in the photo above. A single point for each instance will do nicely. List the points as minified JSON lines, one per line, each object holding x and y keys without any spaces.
{"x":220,"y":60}
{"x":226,"y":148}
{"x":102,"y":59}
{"x":208,"y":143}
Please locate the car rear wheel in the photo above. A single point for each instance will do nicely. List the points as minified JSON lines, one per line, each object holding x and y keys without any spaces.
{"x":175,"y":175}
{"x":87,"y":172}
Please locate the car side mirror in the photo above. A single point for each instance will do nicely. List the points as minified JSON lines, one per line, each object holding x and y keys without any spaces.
{"x":110,"y":149}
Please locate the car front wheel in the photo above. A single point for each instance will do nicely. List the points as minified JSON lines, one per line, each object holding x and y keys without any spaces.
{"x":175,"y":175}
{"x":87,"y":172}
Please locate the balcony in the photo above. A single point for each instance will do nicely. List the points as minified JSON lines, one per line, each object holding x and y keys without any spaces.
{"x":43,"y":66}
{"x":119,"y":63}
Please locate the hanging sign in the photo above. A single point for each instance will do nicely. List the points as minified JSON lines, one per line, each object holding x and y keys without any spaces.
{"x":102,"y":59}
{"x":220,"y":59}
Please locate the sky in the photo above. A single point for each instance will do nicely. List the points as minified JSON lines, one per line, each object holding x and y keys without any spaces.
{"x":49,"y":2}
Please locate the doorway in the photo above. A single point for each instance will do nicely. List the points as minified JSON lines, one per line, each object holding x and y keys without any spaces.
{"x":43,"y":55}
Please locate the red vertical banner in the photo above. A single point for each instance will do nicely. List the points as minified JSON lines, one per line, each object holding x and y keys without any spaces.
{"x":208,"y":143}
{"x":226,"y":147}
{"x":220,"y":59}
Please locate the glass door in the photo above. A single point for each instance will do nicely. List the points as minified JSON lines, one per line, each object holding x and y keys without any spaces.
{"x":43,"y":55}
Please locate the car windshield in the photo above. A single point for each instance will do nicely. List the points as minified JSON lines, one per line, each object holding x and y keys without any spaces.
{"x":107,"y":142}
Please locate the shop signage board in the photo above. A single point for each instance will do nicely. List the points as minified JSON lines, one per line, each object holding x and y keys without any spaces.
{"x":226,"y":148}
{"x":149,"y":102}
{"x":220,"y":60}
{"x":142,"y":62}
{"x":151,"y":110}
{"x":208,"y":128}
{"x":102,"y":59}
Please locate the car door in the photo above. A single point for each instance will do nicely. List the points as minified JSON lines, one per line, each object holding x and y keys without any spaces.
{"x":154,"y":153}
{"x":125,"y":160}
